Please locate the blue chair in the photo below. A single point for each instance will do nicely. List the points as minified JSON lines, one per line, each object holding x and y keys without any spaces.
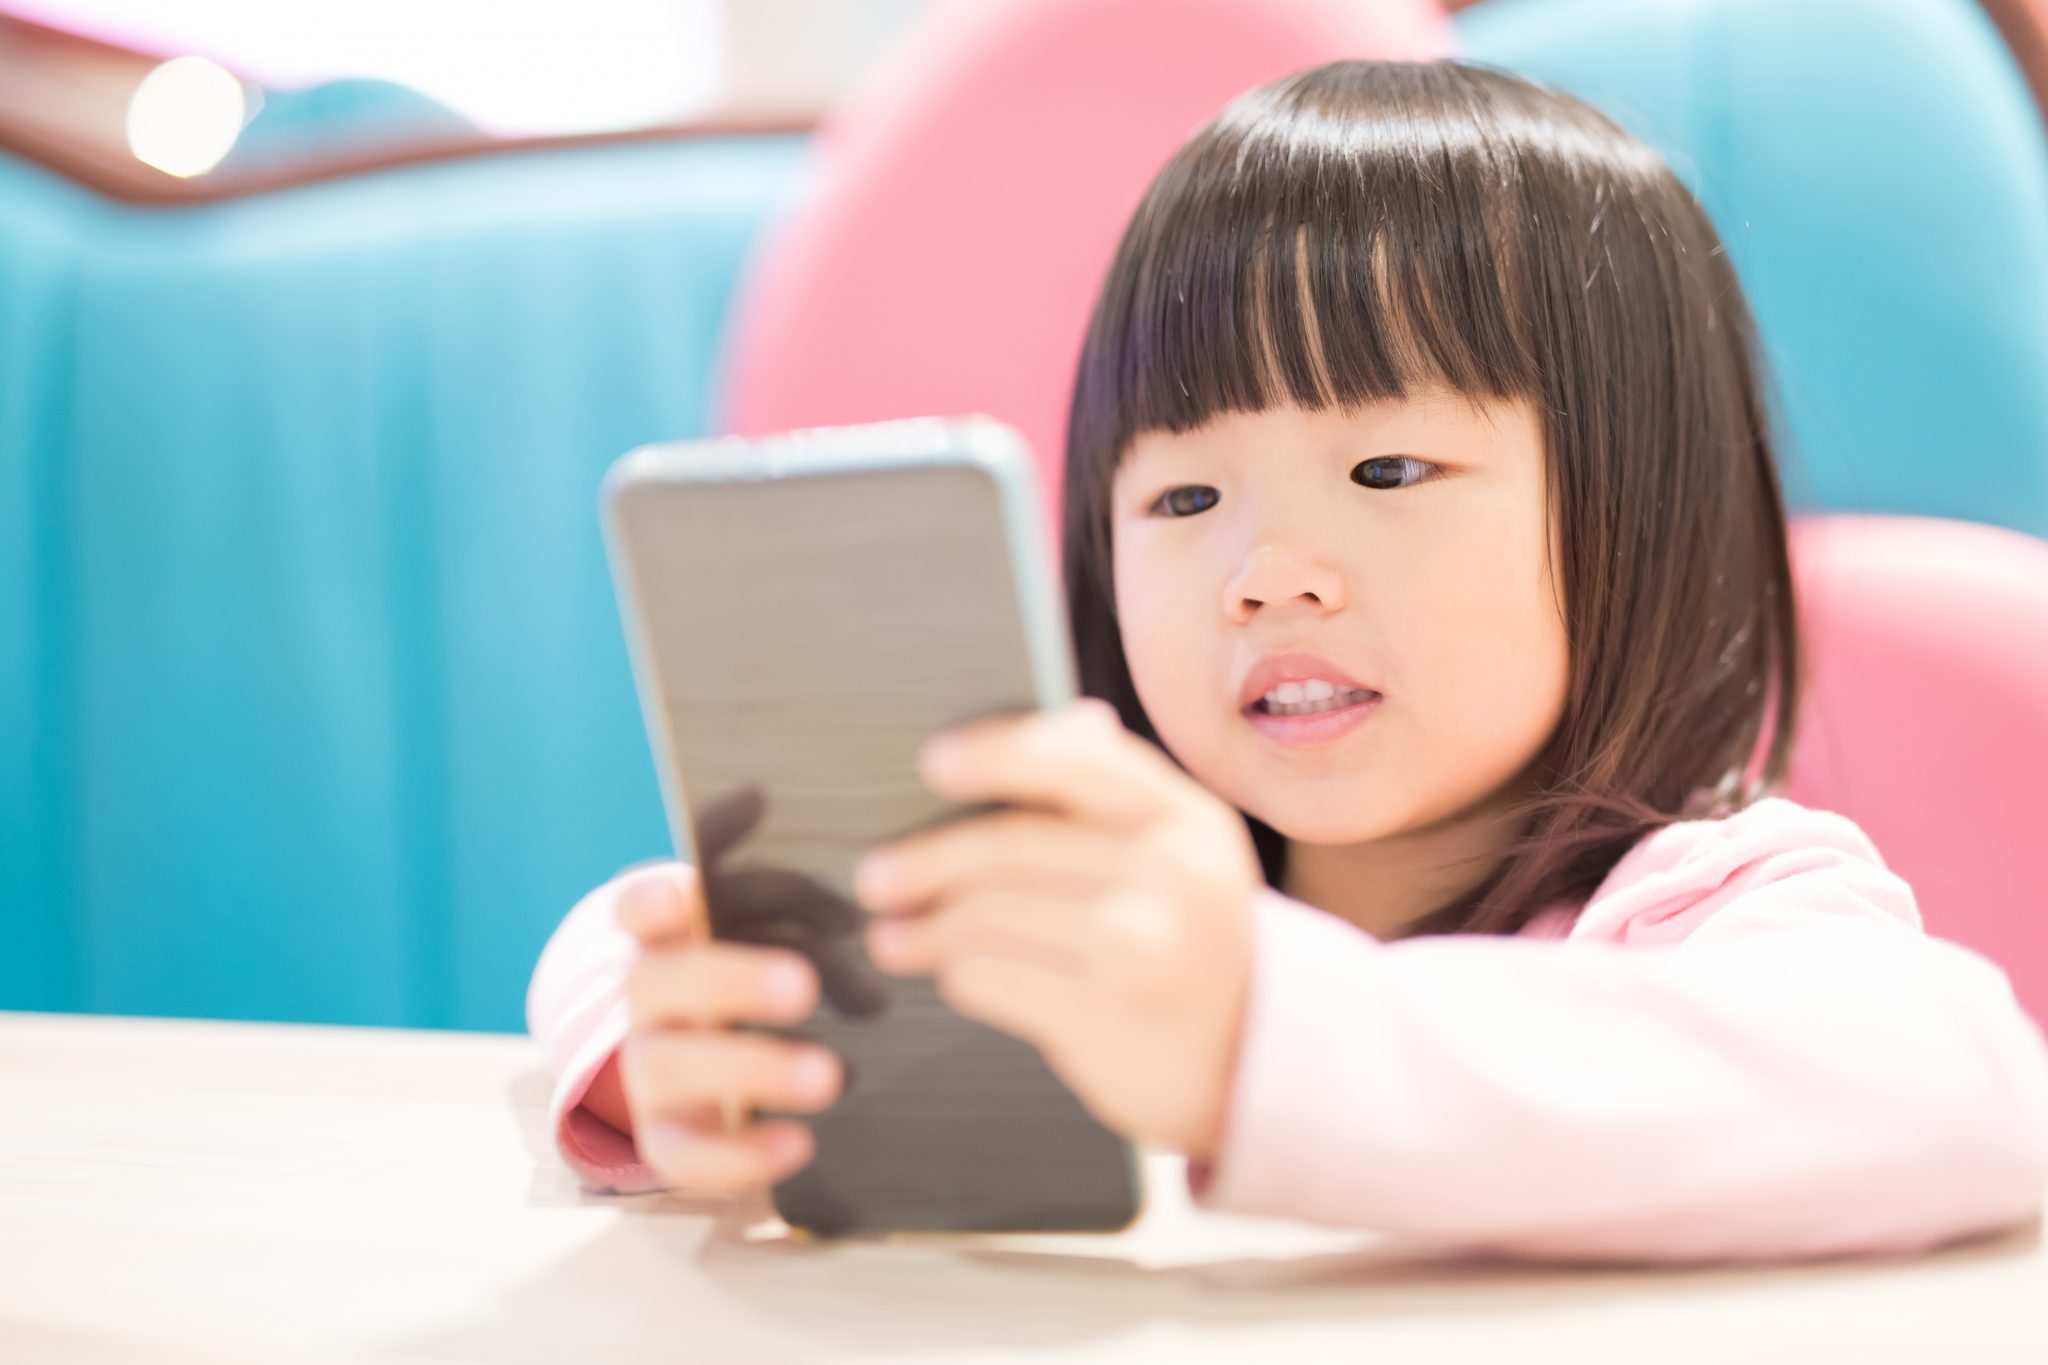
{"x":1880,"y":173}
{"x":313,"y":700}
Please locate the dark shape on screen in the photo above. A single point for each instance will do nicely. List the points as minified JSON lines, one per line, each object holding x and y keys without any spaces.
{"x":779,"y":906}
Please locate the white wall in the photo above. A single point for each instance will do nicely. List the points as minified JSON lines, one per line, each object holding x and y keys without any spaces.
{"x":512,"y":66}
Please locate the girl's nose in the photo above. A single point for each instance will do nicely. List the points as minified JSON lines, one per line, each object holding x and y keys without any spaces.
{"x":1276,"y":574}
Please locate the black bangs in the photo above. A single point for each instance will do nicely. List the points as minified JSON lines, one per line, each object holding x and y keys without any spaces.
{"x":1288,"y":256}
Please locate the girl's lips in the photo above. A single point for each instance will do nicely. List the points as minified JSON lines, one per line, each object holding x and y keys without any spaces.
{"x":1319,"y":728}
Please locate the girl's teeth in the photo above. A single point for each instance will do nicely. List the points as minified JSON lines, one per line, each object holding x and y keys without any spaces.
{"x":1288,"y":693}
{"x":1302,"y":699}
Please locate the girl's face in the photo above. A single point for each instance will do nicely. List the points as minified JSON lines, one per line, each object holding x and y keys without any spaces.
{"x":1403,"y":543}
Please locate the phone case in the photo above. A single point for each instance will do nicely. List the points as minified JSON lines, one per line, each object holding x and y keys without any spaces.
{"x":802,"y":612}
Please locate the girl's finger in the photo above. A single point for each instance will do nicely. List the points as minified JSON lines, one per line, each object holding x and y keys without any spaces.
{"x":709,"y":985}
{"x":994,"y":921}
{"x":1019,"y":848}
{"x":1069,"y":760}
{"x":695,"y":1155}
{"x":670,"y":1072}
{"x":660,"y":903}
{"x":1025,"y":999}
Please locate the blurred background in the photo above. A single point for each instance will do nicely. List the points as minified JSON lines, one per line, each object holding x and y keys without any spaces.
{"x":320,"y":322}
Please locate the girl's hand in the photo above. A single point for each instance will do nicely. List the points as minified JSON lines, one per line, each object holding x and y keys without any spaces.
{"x":1109,"y":923}
{"x":685,"y":1072}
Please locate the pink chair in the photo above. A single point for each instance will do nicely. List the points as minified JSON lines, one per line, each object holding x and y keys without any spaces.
{"x":968,"y":199}
{"x":1926,"y":718}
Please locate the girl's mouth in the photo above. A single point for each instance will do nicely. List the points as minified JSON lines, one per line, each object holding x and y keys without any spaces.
{"x":1325,"y":721}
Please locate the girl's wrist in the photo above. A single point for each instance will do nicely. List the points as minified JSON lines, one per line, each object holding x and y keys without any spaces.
{"x":606,"y":1097}
{"x":1212,"y":1117}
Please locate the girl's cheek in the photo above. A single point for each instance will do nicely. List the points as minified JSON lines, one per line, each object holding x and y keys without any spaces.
{"x":1487,"y":662}
{"x":1148,"y":649}
{"x":1165,"y":649}
{"x":1144,"y":588}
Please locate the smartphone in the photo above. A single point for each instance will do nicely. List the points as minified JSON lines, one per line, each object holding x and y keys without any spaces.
{"x":803,"y":611}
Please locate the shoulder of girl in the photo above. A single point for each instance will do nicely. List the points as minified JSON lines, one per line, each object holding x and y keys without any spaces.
{"x":1674,"y":877}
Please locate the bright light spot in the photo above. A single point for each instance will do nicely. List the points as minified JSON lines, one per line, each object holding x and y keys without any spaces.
{"x":185,"y":116}
{"x":512,"y":67}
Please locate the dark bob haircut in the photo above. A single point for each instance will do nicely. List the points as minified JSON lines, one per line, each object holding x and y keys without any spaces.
{"x":1359,"y":231}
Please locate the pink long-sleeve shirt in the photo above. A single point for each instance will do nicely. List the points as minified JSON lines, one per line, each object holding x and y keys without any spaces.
{"x":1742,"y":1046}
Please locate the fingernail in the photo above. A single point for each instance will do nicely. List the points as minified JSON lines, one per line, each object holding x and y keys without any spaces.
{"x":630,"y":914}
{"x":812,"y":1074}
{"x":876,"y":875}
{"x":787,"y":985}
{"x":649,"y":905}
{"x":662,"y":1143}
{"x":784,"y":1145}
{"x":940,"y":757}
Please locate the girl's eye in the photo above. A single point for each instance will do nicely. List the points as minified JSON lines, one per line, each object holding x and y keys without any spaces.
{"x":1392,"y":471}
{"x":1186,"y":507}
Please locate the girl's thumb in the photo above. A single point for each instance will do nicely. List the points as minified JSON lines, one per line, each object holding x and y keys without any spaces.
{"x":654,"y":907}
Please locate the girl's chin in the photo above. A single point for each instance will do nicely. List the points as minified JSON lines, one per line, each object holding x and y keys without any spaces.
{"x":1354,"y":822}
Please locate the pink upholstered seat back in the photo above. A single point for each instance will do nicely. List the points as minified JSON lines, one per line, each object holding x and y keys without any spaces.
{"x":1927,"y":718}
{"x":968,"y":199}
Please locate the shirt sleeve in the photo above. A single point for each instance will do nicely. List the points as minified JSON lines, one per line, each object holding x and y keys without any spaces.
{"x":1746,"y":1049}
{"x":576,"y":1011}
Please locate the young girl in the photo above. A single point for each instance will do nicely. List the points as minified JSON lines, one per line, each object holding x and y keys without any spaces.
{"x":1413,"y":864}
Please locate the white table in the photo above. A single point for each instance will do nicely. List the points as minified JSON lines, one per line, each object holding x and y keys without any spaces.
{"x":178,"y":1191}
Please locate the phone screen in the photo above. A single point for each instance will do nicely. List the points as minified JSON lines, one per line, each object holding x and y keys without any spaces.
{"x":799,"y":637}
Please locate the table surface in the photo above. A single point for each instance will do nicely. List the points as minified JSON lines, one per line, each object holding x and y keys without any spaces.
{"x":187,"y":1190}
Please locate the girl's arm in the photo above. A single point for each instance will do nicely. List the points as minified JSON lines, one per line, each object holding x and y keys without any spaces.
{"x":576,"y":1010}
{"x":1747,"y":1049}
